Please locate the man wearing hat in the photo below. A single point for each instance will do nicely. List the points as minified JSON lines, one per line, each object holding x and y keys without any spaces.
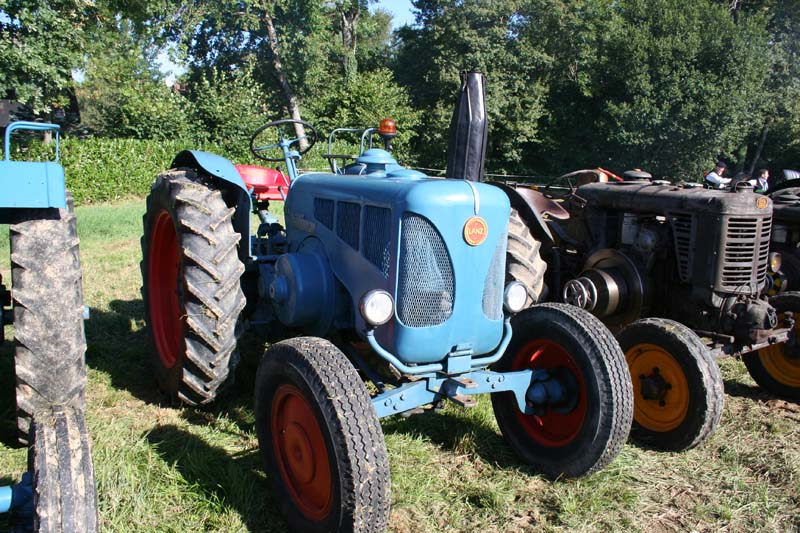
{"x":714,"y":179}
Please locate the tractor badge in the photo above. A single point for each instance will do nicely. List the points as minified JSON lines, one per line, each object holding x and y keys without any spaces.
{"x":475,"y":231}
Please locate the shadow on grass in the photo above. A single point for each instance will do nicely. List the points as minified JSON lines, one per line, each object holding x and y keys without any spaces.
{"x":458,"y":433}
{"x":8,"y":400}
{"x":743,"y":390}
{"x":234,"y":481}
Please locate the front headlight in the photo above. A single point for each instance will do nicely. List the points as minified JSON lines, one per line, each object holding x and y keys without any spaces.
{"x":514,"y":297}
{"x":775,"y":261}
{"x":377,"y":307}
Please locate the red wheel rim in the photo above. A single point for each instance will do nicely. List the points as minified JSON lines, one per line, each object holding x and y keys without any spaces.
{"x":301,"y":453}
{"x":551,"y":428}
{"x":163,"y":271}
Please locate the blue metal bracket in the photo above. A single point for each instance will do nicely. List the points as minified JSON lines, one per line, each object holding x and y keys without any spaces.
{"x":19,"y":499}
{"x":439,"y":367}
{"x":5,"y":499}
{"x":32,"y":126}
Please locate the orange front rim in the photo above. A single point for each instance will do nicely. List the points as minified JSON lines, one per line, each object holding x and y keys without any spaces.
{"x":779,"y":364}
{"x":660,"y":388}
{"x":301,"y":453}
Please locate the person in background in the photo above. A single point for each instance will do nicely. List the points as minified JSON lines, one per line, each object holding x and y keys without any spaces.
{"x":761,"y":183}
{"x":714,"y":179}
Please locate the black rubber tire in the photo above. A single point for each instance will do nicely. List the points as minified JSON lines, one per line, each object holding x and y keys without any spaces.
{"x":209,"y":290}
{"x":48,"y":313}
{"x":350,"y":427}
{"x":788,"y":301}
{"x":64,"y":493}
{"x":704,"y":381}
{"x":608,"y":393}
{"x":523,"y":261}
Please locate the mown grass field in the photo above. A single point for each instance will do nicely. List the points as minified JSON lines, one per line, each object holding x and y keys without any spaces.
{"x":165,"y":469}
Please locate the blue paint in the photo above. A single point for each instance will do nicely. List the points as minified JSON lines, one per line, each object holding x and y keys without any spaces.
{"x":5,"y":499}
{"x":31,"y":184}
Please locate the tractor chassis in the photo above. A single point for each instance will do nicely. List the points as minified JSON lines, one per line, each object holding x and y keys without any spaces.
{"x":724,"y":346}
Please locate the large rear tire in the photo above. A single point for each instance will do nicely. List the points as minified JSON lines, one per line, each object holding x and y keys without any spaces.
{"x":47,"y":296}
{"x":321,"y":439}
{"x":191,"y":286}
{"x":678,"y":390}
{"x":523,"y":261}
{"x":63,"y":478}
{"x":587,"y":432}
{"x":776,"y":368}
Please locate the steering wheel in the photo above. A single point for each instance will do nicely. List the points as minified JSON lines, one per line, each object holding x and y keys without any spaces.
{"x":256,"y":148}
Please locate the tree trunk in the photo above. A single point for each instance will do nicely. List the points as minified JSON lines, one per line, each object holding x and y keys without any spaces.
{"x":288,"y":92}
{"x":760,"y":148}
{"x":349,"y":18}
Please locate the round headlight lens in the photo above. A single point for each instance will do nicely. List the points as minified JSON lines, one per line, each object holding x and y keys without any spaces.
{"x":514,"y":297}
{"x":377,"y":307}
{"x":775,"y":261}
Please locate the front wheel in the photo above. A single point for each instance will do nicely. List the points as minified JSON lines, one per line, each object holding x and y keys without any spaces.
{"x":64,"y":494}
{"x":677,"y":387}
{"x":321,"y":439}
{"x":776,"y":368}
{"x":585,"y":432}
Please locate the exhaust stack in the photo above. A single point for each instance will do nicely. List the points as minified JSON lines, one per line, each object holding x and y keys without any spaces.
{"x":466,"y":146}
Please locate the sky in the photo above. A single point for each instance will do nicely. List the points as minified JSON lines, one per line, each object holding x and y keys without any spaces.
{"x":400,"y":9}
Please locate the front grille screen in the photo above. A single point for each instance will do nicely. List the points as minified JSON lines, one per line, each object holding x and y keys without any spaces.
{"x":426,"y":285}
{"x":493,"y":286}
{"x":746,"y":250}
{"x":323,"y":211}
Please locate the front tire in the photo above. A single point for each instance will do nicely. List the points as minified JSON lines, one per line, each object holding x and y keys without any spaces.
{"x":776,"y":368}
{"x":47,"y":296}
{"x":63,"y":478}
{"x":320,"y":439}
{"x":191,"y":286}
{"x":586,"y":434}
{"x":677,"y":386}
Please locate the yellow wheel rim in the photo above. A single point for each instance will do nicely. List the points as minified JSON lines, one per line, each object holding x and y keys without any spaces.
{"x":779,"y":365}
{"x":667,"y":412}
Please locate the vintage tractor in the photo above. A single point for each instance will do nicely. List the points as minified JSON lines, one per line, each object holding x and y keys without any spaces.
{"x":680,"y":273}
{"x":45,"y":305}
{"x":380,"y":274}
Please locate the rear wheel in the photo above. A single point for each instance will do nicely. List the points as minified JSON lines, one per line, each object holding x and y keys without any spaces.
{"x":776,"y":368}
{"x":320,"y":439}
{"x":585,"y":432}
{"x":677,"y":386}
{"x":191,"y":286}
{"x":63,"y":478}
{"x":523,"y":262}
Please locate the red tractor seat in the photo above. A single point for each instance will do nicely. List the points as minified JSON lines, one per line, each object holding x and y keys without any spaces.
{"x":266,"y":183}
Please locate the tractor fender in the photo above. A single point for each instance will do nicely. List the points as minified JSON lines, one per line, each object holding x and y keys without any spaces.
{"x":234,"y":190}
{"x":528,"y":203}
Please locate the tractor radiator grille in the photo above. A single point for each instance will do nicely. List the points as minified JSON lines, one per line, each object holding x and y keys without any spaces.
{"x":426,"y":285}
{"x":377,"y":235}
{"x":348,"y":222}
{"x":746,"y":249}
{"x":494,"y":284}
{"x":323,"y":211}
{"x":682,"y":231}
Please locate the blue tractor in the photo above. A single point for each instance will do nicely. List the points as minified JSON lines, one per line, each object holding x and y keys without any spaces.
{"x":45,"y":305}
{"x":388,"y":289}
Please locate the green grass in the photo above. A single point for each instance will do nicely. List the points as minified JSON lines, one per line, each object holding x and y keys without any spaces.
{"x":165,"y":469}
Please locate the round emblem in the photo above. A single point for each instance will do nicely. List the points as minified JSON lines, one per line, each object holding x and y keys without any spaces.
{"x":762,"y":202}
{"x":475,"y":231}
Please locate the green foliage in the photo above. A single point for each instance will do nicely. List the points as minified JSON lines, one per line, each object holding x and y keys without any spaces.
{"x":41,"y":42}
{"x":362,"y":102}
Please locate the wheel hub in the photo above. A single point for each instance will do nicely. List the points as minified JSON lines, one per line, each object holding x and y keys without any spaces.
{"x":654,"y":386}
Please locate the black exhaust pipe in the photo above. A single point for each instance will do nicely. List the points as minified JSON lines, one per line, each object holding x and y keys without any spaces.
{"x":466,"y":146}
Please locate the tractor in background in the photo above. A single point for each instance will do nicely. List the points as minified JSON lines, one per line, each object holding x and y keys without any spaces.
{"x":681,"y":274}
{"x":45,"y":306}
{"x":380,"y":274}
